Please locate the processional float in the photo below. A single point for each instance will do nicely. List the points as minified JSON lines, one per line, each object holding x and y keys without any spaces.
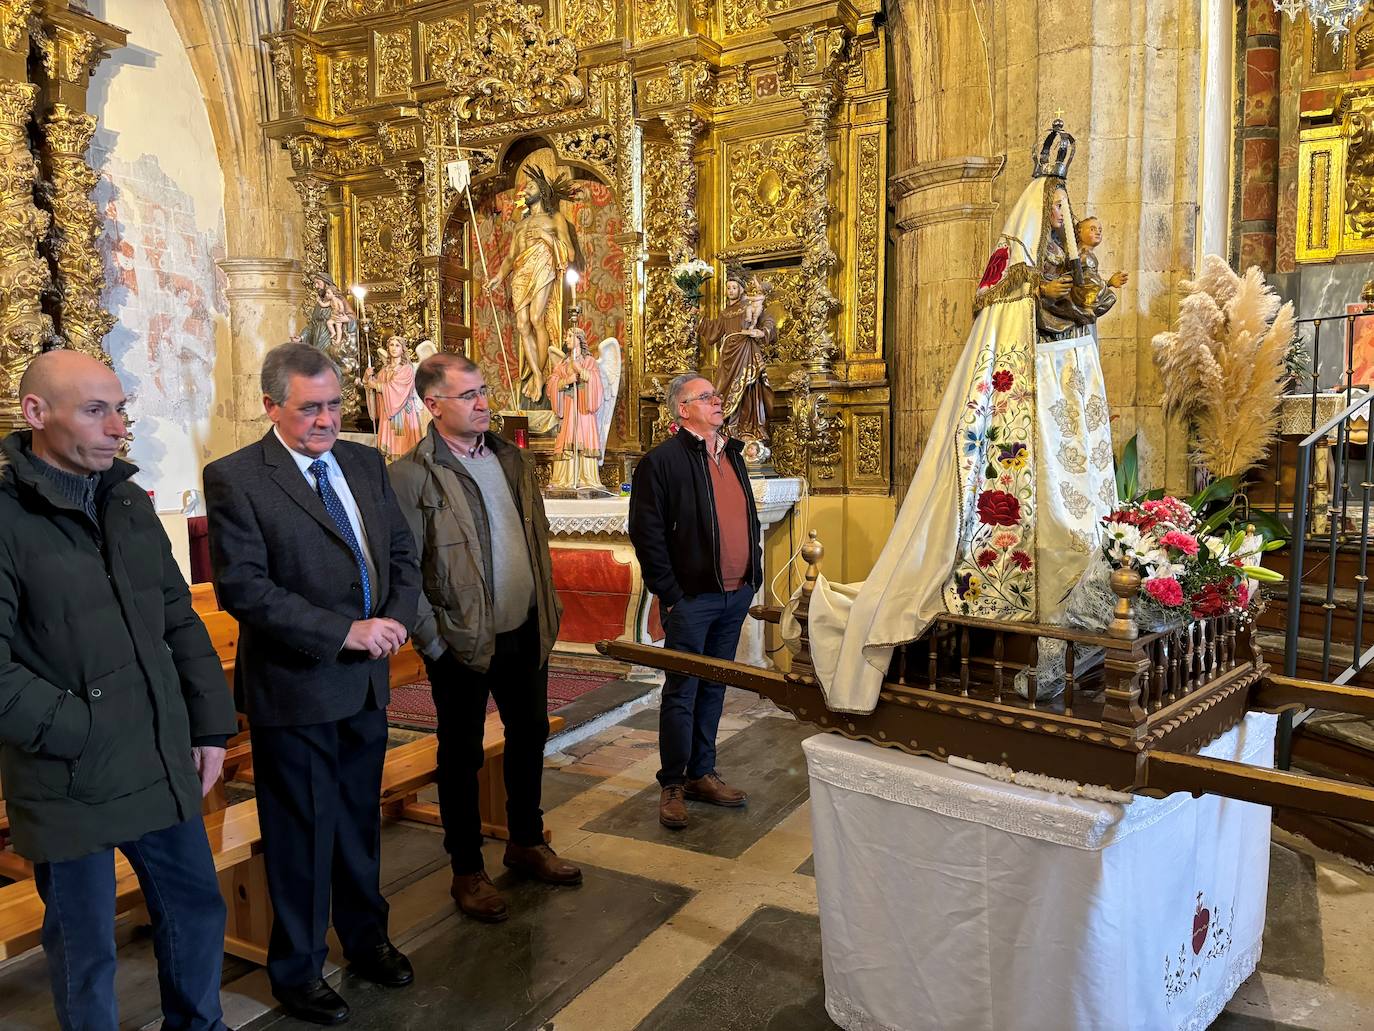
{"x":1133,"y":723}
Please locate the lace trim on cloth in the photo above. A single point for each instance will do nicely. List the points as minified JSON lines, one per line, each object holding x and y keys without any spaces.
{"x":1072,"y":822}
{"x":1042,"y":782}
{"x":1209,"y":1007}
{"x":850,"y":1016}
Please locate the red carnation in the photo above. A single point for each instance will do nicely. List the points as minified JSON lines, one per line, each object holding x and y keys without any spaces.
{"x":986,"y":557}
{"x":1165,"y":590}
{"x":1002,"y":380}
{"x":998,"y":508}
{"x":1021,"y":559}
{"x":997,"y":265}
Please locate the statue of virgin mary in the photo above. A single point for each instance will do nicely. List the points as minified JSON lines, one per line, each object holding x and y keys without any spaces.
{"x":1004,"y":510}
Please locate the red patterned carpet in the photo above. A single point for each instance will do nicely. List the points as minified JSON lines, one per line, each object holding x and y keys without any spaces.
{"x":412,"y":706}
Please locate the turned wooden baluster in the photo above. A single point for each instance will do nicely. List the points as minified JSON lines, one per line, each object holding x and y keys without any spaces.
{"x":999,"y":647}
{"x":934,"y":657}
{"x":1189,"y":657}
{"x":963,"y":662}
{"x":1175,"y":662}
{"x":1161,"y":672}
{"x":1033,"y":672}
{"x":1068,"y":678}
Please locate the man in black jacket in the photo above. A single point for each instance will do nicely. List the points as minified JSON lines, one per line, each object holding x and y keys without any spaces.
{"x":113,"y":708}
{"x":695,"y":532}
{"x":313,"y":558}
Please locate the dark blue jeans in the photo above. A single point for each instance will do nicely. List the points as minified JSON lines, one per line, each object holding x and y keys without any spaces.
{"x":177,"y":875}
{"x":707,"y":624}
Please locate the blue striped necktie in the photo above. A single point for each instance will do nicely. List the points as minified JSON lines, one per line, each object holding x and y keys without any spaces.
{"x":335,"y":508}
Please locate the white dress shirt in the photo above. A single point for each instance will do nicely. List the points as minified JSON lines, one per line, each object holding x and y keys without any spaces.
{"x":350,"y":506}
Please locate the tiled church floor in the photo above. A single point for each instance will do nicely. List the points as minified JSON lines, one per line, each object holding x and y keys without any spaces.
{"x":712,"y":928}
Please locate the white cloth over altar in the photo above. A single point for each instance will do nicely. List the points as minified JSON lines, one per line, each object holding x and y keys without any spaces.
{"x":1004,"y":509}
{"x":953,"y":902}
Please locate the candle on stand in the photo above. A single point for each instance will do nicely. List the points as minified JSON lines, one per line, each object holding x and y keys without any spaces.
{"x":359,"y":292}
{"x":572,"y":278}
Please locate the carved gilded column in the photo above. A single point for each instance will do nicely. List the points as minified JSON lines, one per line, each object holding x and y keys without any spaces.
{"x":407,"y":180}
{"x":680,"y":351}
{"x":77,"y":225}
{"x":818,"y":101}
{"x":23,"y":273}
{"x":312,"y":192}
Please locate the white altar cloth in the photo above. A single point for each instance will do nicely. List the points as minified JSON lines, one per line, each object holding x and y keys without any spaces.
{"x":953,"y":902}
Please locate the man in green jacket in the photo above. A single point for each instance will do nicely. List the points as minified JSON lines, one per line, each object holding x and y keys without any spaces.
{"x":113,"y":707}
{"x":487,"y":621}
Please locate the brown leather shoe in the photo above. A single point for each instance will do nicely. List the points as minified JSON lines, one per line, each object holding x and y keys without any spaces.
{"x":542,"y":863}
{"x":478,"y":898}
{"x":672,"y":810}
{"x":711,"y":788}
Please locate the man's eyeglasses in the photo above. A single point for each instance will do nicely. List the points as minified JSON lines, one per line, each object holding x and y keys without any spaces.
{"x":707,"y":397}
{"x":467,"y":395}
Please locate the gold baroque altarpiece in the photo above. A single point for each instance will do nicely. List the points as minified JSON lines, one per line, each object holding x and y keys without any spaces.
{"x":51,"y":274}
{"x":746,"y":133}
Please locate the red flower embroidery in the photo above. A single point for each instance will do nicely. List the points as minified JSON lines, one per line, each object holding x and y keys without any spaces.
{"x":998,"y":508}
{"x":1002,"y":380}
{"x":997,"y":265}
{"x":986,"y":557}
{"x":1022,"y":560}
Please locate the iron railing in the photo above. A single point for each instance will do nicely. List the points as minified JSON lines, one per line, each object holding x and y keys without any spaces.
{"x":1321,"y":519}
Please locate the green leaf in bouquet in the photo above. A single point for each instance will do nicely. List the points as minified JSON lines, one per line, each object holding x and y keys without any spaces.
{"x":1214,"y":491}
{"x":1268,"y":526}
{"x":1128,"y":472}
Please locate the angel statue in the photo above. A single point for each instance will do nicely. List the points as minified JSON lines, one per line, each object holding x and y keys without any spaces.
{"x":583,"y":391}
{"x":745,"y":334}
{"x":392,"y":403}
{"x":1003,"y":514}
{"x":542,"y":249}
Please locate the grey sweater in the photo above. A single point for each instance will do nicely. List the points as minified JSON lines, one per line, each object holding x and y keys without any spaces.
{"x":512,"y":587}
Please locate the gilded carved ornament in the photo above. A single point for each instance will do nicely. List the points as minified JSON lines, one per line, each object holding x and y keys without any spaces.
{"x":867,"y":241}
{"x":313,"y":192}
{"x":510,"y":65}
{"x":16,"y":21}
{"x":347,"y":83}
{"x":24,"y":328}
{"x":868,"y":445}
{"x":588,"y":22}
{"x":282,"y":52}
{"x":810,"y":439}
{"x":768,"y":188}
{"x":68,"y":54}
{"x":655,"y":18}
{"x":393,"y":62}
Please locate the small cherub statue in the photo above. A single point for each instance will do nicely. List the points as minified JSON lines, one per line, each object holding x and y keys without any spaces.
{"x":1095,"y":294}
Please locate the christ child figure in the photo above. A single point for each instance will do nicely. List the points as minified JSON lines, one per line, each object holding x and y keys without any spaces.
{"x":1095,"y":294}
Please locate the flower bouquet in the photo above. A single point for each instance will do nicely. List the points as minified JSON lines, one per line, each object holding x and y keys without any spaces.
{"x":688,"y":276}
{"x":1189,"y":568}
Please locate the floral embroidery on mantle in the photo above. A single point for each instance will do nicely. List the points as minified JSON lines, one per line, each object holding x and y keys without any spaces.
{"x":994,"y":575}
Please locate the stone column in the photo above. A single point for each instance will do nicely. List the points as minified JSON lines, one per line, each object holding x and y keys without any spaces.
{"x":944,"y":229}
{"x":1259,"y":138}
{"x":265,"y":298}
{"x":942,"y":195}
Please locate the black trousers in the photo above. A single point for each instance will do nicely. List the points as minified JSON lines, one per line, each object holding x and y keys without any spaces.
{"x":318,"y":789}
{"x":520,"y":684}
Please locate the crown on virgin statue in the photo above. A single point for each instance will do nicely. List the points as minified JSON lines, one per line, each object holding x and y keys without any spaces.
{"x":1055,"y":154}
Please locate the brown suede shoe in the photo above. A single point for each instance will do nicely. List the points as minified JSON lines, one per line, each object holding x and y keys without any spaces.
{"x":711,"y":788}
{"x":478,"y":898}
{"x":542,"y":863}
{"x":672,"y":810}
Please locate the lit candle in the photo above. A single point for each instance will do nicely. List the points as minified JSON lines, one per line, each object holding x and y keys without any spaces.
{"x":572,"y":278}
{"x":359,"y":292}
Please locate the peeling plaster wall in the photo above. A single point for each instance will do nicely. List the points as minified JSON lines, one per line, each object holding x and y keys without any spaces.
{"x":162,"y":193}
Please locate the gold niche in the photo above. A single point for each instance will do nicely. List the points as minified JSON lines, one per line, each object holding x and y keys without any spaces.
{"x":745,"y":134}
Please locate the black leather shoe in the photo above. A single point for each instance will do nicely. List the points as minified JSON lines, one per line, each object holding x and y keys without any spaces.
{"x":314,"y":1002}
{"x":385,"y":965}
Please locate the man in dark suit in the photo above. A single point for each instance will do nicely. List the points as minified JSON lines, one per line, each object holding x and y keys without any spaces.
{"x":313,"y":558}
